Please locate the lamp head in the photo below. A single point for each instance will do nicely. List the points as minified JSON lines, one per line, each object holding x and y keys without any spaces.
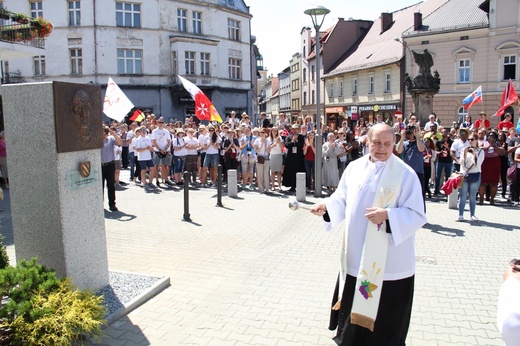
{"x":317,"y":13}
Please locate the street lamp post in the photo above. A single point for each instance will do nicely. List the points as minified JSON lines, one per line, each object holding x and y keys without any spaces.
{"x":317,"y":15}
{"x":403,"y":70}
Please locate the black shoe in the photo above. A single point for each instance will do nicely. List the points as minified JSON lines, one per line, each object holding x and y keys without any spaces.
{"x":123,"y":183}
{"x":159,"y":185}
{"x":167,"y":182}
{"x":113,"y":208}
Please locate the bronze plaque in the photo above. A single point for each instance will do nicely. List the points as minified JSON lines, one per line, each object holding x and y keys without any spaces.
{"x":78,"y":116}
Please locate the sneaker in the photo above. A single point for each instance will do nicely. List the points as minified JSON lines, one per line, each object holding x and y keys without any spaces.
{"x":167,"y":182}
{"x":461,"y":218}
{"x":117,"y":185}
{"x":123,"y":183}
{"x":159,"y":185}
{"x":151,"y":186}
{"x":474,"y":218}
{"x":253,"y":187}
{"x":243,"y":186}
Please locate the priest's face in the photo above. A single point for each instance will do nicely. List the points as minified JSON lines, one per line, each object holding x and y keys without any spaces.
{"x":381,"y":143}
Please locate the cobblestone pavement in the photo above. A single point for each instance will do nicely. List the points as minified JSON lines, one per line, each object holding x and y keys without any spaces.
{"x":256,"y":273}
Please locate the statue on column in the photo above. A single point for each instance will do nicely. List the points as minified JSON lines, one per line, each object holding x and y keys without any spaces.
{"x":425,"y":79}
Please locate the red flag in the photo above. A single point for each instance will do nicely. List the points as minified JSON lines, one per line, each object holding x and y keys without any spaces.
{"x":509,"y":96}
{"x":204,"y":109}
{"x":137,"y":116}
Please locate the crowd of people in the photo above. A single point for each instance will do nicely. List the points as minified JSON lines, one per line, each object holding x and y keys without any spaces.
{"x":268,"y":156}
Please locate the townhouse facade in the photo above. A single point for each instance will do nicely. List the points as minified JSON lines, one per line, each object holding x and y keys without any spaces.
{"x":144,"y":46}
{"x":369,"y":79}
{"x":480,"y":48}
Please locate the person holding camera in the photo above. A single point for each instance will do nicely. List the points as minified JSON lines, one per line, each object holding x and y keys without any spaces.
{"x":471,"y":159}
{"x":108,"y":165}
{"x":412,"y":147}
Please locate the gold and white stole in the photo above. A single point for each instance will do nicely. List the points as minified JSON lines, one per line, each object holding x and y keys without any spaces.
{"x":371,"y":272}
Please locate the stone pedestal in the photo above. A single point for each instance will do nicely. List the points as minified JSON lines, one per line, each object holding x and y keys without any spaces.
{"x":423,"y":104}
{"x":57,"y":214}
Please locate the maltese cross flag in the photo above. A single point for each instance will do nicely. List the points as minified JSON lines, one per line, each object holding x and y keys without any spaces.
{"x":204,"y":109}
{"x":116,"y":105}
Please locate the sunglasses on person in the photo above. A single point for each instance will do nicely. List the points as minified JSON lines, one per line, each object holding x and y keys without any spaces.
{"x":472,"y":139}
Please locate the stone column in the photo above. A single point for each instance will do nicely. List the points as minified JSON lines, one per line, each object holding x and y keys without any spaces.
{"x":57,"y":213}
{"x":423,"y":104}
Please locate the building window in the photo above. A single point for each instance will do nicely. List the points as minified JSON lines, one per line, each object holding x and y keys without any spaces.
{"x":304,"y":98}
{"x":331,"y":89}
{"x":129,"y":61}
{"x":234,"y":30}
{"x":197,"y":22}
{"x":204,"y":64}
{"x":234,"y":68}
{"x":305,"y":75}
{"x":39,"y":65}
{"x":340,"y":88}
{"x":74,"y":13}
{"x":509,"y":67}
{"x":128,"y":15}
{"x":313,"y":97}
{"x":181,"y":20}
{"x":388,"y":82}
{"x":371,"y":84}
{"x":464,"y":70}
{"x":295,"y":84}
{"x":36,"y":9}
{"x":76,"y":61}
{"x":354,"y":87}
{"x":313,"y":72}
{"x":189,"y":62}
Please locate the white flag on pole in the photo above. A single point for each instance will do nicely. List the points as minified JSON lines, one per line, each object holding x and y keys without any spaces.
{"x":116,"y":105}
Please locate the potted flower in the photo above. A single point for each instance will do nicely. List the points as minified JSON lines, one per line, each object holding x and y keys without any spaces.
{"x":42,"y":27}
{"x":4,"y":13}
{"x":20,"y":18}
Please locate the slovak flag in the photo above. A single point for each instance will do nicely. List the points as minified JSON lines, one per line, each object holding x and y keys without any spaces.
{"x":509,"y":96}
{"x":204,"y":109}
{"x":474,"y":97}
{"x":116,"y":105}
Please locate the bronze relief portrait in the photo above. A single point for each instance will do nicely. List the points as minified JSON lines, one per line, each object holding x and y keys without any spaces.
{"x":78,"y":116}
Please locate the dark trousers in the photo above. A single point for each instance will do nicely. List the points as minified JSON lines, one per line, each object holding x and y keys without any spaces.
{"x":124,"y":157}
{"x":137,"y":173}
{"x":441,"y":166}
{"x":427,"y":176}
{"x":107,"y":173}
{"x":393,"y":316}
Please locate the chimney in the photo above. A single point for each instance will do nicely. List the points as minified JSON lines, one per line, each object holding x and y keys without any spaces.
{"x":386,"y":21}
{"x":417,"y":21}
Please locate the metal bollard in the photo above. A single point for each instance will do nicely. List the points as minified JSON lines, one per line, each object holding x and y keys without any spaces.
{"x":186,"y":215}
{"x":300,"y":187}
{"x":219,"y":187}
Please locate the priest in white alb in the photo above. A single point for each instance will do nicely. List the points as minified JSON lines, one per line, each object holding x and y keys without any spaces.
{"x":380,"y":199}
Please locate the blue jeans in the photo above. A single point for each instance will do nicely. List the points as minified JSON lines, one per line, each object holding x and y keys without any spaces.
{"x":178,"y":163}
{"x":471,"y":189}
{"x":309,"y":172}
{"x":446,"y":166}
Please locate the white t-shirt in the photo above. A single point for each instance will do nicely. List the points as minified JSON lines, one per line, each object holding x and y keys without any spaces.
{"x":129,"y":136}
{"x":161,"y":139}
{"x":202,"y":142}
{"x":213,"y":148}
{"x":262,"y":151}
{"x":277,"y":149}
{"x":458,"y":145}
{"x":179,"y":142}
{"x":141,"y":143}
{"x":117,"y":152}
{"x":191,"y":141}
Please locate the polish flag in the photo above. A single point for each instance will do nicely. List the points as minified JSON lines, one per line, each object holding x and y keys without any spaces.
{"x":204,"y":109}
{"x":116,"y":105}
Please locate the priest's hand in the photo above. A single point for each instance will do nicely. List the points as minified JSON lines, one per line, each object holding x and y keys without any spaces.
{"x":319,"y":209}
{"x":376,"y":215}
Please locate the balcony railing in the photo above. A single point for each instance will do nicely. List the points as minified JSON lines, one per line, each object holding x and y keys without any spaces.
{"x":25,"y":34}
{"x":12,"y":78}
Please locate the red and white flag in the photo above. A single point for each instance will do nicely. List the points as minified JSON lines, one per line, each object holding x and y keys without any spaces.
{"x":509,"y":96}
{"x":204,"y":109}
{"x":116,"y":105}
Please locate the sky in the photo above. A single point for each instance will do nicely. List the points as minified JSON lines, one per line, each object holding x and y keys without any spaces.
{"x":277,"y":23}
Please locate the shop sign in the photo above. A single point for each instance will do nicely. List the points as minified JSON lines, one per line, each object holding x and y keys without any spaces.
{"x":377,"y":108}
{"x":335,"y":109}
